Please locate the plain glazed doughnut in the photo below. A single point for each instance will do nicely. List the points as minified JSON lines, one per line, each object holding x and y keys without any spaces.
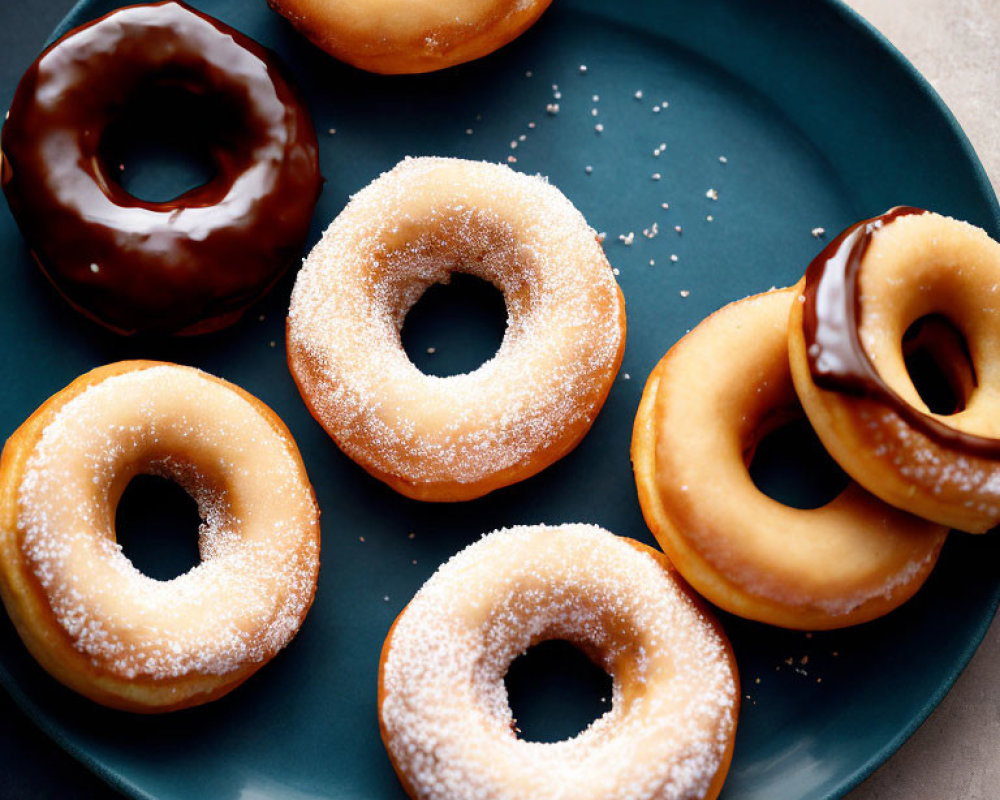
{"x":407,"y":36}
{"x":188,"y":265}
{"x":443,"y":709}
{"x":85,"y":613}
{"x":858,"y":299}
{"x":462,"y":436}
{"x":706,"y":405}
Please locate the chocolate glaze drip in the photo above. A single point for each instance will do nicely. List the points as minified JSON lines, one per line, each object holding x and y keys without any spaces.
{"x":830,"y":321}
{"x":190,"y":264}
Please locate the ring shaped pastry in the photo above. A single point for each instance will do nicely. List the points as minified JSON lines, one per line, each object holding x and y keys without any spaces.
{"x":457,"y":437}
{"x":86,"y":614}
{"x":706,"y":405}
{"x":859,"y":298}
{"x":188,"y":265}
{"x":402,"y":36}
{"x":443,"y":708}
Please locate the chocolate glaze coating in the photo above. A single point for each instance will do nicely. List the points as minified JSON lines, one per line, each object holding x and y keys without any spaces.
{"x":831,"y":317}
{"x":189,"y":265}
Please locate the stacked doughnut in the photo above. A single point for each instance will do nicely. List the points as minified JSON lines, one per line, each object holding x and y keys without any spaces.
{"x":832,"y":348}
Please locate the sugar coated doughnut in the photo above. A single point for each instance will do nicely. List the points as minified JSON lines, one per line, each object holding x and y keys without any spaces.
{"x":86,"y":614}
{"x":443,"y":708}
{"x":188,"y":265}
{"x":403,"y":36}
{"x":462,"y":436}
{"x":858,"y":299}
{"x":706,"y":405}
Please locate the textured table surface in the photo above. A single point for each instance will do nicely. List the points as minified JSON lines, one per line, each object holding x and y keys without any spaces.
{"x":955,"y":753}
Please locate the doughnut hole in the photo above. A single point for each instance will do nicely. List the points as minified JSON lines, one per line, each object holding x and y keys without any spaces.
{"x":555,"y":691}
{"x":455,"y":327}
{"x":788,"y":463}
{"x":156,"y":524}
{"x":936,"y":355}
{"x":162,"y":144}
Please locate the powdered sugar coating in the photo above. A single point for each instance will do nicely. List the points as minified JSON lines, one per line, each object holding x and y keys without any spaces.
{"x":411,"y":228}
{"x":259,"y":540}
{"x":444,"y":712}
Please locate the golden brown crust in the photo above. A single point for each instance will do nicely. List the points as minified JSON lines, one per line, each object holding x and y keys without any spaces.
{"x":25,"y":598}
{"x":406,"y":36}
{"x":848,"y":562}
{"x":458,"y":491}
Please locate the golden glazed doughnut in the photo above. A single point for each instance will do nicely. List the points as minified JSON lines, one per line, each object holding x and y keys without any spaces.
{"x":82,"y":609}
{"x":443,"y":709}
{"x":404,"y":36}
{"x":858,"y":299}
{"x":457,"y":437}
{"x":706,"y":405}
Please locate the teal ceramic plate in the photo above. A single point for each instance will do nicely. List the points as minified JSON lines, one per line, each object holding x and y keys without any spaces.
{"x":799,"y":116}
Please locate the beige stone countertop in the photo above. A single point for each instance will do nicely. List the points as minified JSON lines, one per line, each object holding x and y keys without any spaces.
{"x":955,"y":44}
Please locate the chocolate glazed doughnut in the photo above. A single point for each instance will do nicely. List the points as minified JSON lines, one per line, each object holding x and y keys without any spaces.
{"x":857,"y":301}
{"x":192,"y":264}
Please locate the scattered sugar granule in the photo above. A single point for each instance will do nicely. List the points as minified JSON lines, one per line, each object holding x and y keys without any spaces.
{"x":684,"y":293}
{"x":712,"y":194}
{"x":272,"y":343}
{"x":665,"y":206}
{"x":552,"y":109}
{"x":431,"y":350}
{"x":531,"y":125}
{"x":583,"y":69}
{"x":679,"y":229}
{"x":596,"y":98}
{"x":333,"y":131}
{"x":626,"y":376}
{"x":411,"y":535}
{"x":655,"y":176}
{"x":817,"y":232}
{"x":529,"y":74}
{"x":652,"y":262}
{"x":673,"y":257}
{"x":588,"y":169}
{"x":593,"y":112}
{"x":511,"y":159}
{"x":414,"y":561}
{"x":385,"y":598}
{"x":650,"y":233}
{"x":522,"y":138}
{"x":638,"y":94}
{"x":709,"y":218}
{"x":599,"y":128}
{"x":656,"y":109}
{"x":615,"y":271}
{"x":468,"y":131}
{"x":557,"y":95}
{"x":361,"y":539}
{"x":95,"y":268}
{"x":513,"y":145}
{"x":601,"y":237}
{"x":627,"y":239}
{"x":723,"y":160}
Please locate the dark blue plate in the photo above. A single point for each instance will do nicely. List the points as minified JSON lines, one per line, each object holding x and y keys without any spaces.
{"x":820,"y":122}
